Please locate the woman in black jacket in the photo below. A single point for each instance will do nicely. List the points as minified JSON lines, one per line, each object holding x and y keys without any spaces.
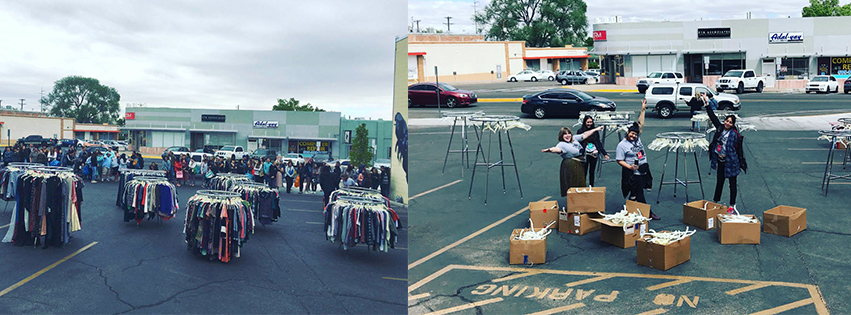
{"x":326,"y":180}
{"x":593,"y":148}
{"x":725,"y":154}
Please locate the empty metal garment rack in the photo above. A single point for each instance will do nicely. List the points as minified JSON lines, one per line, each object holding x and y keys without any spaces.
{"x":499,"y":125}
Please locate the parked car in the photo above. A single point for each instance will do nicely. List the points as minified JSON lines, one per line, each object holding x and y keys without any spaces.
{"x":548,"y":74}
{"x":93,"y":148}
{"x":294,"y":157}
{"x":562,"y":102}
{"x":265,"y":153}
{"x":667,"y":99}
{"x":381,"y":162}
{"x":343,"y":163}
{"x":593,"y":75}
{"x":566,"y":77}
{"x":199,"y":154}
{"x":659,"y":78}
{"x":740,"y":80}
{"x":231,"y":151}
{"x":525,"y":75}
{"x":422,"y":94}
{"x":847,"y":85}
{"x":823,"y":84}
{"x":115,"y":145}
{"x":321,"y":157}
{"x":37,"y":140}
{"x":176,"y":150}
{"x":594,"y":71}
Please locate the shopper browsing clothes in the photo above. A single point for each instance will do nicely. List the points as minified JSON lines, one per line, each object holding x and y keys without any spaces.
{"x":571,"y":173}
{"x":725,"y":154}
{"x":635,"y":172}
{"x":593,"y":148}
{"x":289,"y":175}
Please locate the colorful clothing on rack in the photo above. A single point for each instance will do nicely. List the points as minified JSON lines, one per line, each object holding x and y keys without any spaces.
{"x":352,"y":223}
{"x":226,"y":181}
{"x":264,"y":201}
{"x":149,"y":198}
{"x":47,"y":208}
{"x":217,"y":227}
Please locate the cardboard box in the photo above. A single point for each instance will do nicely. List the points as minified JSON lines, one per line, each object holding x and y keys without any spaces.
{"x":701,"y":214}
{"x":543,"y":213}
{"x":784,"y":220}
{"x":577,"y":223}
{"x":663,"y":257}
{"x":738,"y":233}
{"x":614,"y":233}
{"x":526,"y":252}
{"x":580,"y":200}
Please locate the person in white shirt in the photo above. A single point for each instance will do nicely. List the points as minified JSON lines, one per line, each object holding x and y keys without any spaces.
{"x":346,"y":181}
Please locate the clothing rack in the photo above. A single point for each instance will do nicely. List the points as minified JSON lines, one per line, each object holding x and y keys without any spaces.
{"x":224,"y":181}
{"x":217,"y":224}
{"x":353,"y":220}
{"x":128,"y":174}
{"x":149,"y":196}
{"x":47,"y":207}
{"x":264,"y":201}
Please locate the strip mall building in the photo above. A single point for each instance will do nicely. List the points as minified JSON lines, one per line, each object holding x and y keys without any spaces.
{"x":788,"y":51}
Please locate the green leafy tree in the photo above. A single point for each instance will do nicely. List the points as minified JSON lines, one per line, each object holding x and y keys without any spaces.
{"x":361,"y":152}
{"x":83,"y":99}
{"x":541,"y":23}
{"x":294,"y":106}
{"x":826,"y":8}
{"x":589,"y":42}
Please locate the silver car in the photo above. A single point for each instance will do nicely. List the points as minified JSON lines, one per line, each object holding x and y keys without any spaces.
{"x":667,"y":99}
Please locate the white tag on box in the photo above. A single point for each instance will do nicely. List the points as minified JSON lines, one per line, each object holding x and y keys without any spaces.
{"x":562,"y":216}
{"x":710,"y":223}
{"x":576,"y":220}
{"x":642,"y":229}
{"x":629,"y":231}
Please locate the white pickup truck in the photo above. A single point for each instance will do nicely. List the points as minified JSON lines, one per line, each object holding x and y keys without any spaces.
{"x":740,"y":80}
{"x":229,"y":151}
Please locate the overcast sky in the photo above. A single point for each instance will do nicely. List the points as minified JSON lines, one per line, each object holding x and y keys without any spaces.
{"x":433,"y":13}
{"x":337,"y":55}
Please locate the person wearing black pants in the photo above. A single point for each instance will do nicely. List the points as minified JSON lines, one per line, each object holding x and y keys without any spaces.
{"x":725,"y":154}
{"x":631,"y":157}
{"x":593,"y":148}
{"x":289,"y":175}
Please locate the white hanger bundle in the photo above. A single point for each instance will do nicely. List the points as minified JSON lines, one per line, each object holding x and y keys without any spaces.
{"x":625,"y":217}
{"x":737,"y":218}
{"x":500,"y":126}
{"x":665,"y":238}
{"x":531,"y":234}
{"x":686,"y":145}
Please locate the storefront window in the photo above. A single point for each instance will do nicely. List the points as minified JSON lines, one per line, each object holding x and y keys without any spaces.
{"x":613,"y":65}
{"x":721,"y":63}
{"x":534,"y":64}
{"x":793,"y":68}
{"x":839,"y":66}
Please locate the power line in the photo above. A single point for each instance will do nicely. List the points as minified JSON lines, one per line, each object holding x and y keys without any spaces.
{"x":448,"y":24}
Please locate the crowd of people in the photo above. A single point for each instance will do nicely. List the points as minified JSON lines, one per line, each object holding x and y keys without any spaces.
{"x":92,"y":165}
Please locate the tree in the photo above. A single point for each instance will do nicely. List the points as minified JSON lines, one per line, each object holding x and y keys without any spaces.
{"x":83,"y":99}
{"x":826,"y":8}
{"x":361,"y":153}
{"x":541,"y":23}
{"x":294,"y":106}
{"x":589,"y":42}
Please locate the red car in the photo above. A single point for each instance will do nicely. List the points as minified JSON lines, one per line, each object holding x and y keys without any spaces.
{"x":422,"y":94}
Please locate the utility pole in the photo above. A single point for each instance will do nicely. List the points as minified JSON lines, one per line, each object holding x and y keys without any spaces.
{"x":22,"y":104}
{"x":40,"y":98}
{"x":475,"y":12}
{"x":418,"y":25}
{"x":448,"y":24}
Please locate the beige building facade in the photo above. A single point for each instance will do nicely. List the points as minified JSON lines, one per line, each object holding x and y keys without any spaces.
{"x":16,"y":124}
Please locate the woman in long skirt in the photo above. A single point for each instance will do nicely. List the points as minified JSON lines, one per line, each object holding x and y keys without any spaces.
{"x":571,"y":173}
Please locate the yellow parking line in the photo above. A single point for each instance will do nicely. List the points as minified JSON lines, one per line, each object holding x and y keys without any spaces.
{"x":515,"y":276}
{"x":433,"y":190}
{"x":667,"y":284}
{"x":46,"y":269}
{"x":418,"y":296}
{"x":465,"y":306}
{"x":314,"y":222}
{"x":5,"y":225}
{"x":398,"y":279}
{"x":748,"y":288}
{"x":783,"y":308}
{"x":559,"y":309}
{"x":500,"y":100}
{"x":654,"y":312}
{"x":586,"y":281}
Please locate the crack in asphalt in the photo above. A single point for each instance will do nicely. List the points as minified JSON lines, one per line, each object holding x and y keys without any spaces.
{"x":31,"y":301}
{"x":315,"y":274}
{"x":176,"y":294}
{"x":145,"y":259}
{"x":457,"y":294}
{"x":106,"y":282}
{"x":303,"y":306}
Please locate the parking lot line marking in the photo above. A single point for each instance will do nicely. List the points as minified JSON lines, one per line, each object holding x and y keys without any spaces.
{"x":468,"y":237}
{"x":807,"y":149}
{"x":46,"y":269}
{"x":418,"y":296}
{"x":433,"y":190}
{"x":812,"y":163}
{"x":654,"y":312}
{"x":783,"y":308}
{"x":500,"y":100}
{"x":308,"y":222}
{"x":586,"y":281}
{"x":430,"y":277}
{"x":667,"y":284}
{"x":515,"y":276}
{"x":748,"y":288}
{"x":397,"y":279}
{"x":303,"y":210}
{"x":559,"y":309}
{"x":821,"y":308}
{"x":402,"y":248}
{"x":465,"y":306}
{"x":5,"y":225}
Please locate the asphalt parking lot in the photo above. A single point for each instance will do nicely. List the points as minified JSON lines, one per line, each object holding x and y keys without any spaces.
{"x":286,"y":267}
{"x":459,"y":246}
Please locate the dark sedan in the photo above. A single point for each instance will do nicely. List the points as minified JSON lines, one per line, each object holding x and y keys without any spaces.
{"x":562,"y":102}
{"x":422,"y":94}
{"x":847,"y":85}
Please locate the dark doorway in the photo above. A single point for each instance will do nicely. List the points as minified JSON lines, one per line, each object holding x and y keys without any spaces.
{"x":694,"y":68}
{"x":196,"y":141}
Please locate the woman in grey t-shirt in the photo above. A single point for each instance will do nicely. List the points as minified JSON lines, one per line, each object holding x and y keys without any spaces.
{"x":571,"y":173}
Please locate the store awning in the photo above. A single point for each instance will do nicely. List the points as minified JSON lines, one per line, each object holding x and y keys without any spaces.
{"x":291,"y":138}
{"x":416,"y":54}
{"x":109,"y":131}
{"x":635,"y":52}
{"x":557,"y":57}
{"x":212,"y":130}
{"x":153,"y":128}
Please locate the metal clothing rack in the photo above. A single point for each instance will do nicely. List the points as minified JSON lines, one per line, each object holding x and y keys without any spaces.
{"x":465,"y":148}
{"x":828,"y":165}
{"x":150,"y":179}
{"x":605,"y":134}
{"x":500,"y":125}
{"x":157,"y":173}
{"x":677,"y":181}
{"x":218,"y":194}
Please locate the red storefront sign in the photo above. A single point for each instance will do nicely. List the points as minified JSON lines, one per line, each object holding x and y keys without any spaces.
{"x":599,"y":36}
{"x":129,"y":116}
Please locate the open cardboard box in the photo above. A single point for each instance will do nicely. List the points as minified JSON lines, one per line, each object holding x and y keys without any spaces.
{"x":663,"y":257}
{"x":615,"y":234}
{"x":543,"y":213}
{"x":526,"y":252}
{"x":701,"y":214}
{"x":738,"y":233}
{"x":784,"y":220}
{"x":577,"y":223}
{"x":586,"y":199}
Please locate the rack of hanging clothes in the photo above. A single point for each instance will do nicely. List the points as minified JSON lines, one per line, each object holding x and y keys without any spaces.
{"x":352,"y":220}
{"x":217,"y":224}
{"x":366,"y":193}
{"x":128,"y":175}
{"x":149,"y":196}
{"x":224,"y":181}
{"x":47,"y":209}
{"x":264,"y":201}
{"x":9,"y":177}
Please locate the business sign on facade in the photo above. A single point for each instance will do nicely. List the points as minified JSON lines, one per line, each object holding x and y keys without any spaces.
{"x":265,"y":124}
{"x":212,"y":118}
{"x":840,"y":65}
{"x":716,"y":32}
{"x":303,"y":146}
{"x":129,"y":116}
{"x":599,"y":36}
{"x":347,"y":136}
{"x":782,"y":38}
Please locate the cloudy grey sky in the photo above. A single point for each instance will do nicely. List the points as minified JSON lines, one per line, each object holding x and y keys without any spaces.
{"x":337,"y":55}
{"x":433,"y":13}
